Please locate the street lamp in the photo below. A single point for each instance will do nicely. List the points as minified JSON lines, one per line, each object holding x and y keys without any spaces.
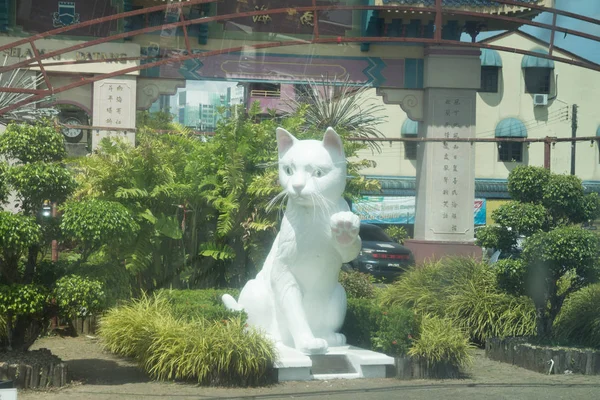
{"x":46,"y":209}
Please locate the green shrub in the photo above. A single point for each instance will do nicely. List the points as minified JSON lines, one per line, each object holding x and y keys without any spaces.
{"x":397,"y":233}
{"x":465,"y":291}
{"x":395,"y":331}
{"x":510,"y":276}
{"x":168,"y":348}
{"x":115,"y":278}
{"x":441,"y":342}
{"x":357,"y":284}
{"x":201,"y":303}
{"x":360,"y":323}
{"x":79,"y":297}
{"x":370,"y":326}
{"x":20,"y":300}
{"x":578,"y":322}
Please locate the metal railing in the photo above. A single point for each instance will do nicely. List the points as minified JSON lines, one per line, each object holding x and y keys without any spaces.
{"x":157,"y":60}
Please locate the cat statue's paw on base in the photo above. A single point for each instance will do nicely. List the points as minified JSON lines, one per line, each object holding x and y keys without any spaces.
{"x":312,"y":345}
{"x":344,"y":227}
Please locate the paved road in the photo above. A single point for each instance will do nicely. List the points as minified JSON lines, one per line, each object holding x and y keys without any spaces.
{"x":102,"y":377}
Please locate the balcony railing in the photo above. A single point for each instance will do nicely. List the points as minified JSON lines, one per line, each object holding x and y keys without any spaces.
{"x":265,"y":93}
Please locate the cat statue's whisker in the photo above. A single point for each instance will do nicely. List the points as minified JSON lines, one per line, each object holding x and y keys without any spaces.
{"x":275,"y":200}
{"x":296,"y":297}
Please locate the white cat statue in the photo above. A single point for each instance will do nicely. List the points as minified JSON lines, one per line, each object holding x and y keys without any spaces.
{"x":296,"y":298}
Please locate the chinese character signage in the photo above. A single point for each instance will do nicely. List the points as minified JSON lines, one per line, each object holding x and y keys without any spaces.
{"x":114,"y":107}
{"x":452,"y":164}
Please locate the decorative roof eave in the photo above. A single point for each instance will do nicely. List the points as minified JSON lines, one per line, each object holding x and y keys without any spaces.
{"x":484,"y":188}
{"x":481,"y":6}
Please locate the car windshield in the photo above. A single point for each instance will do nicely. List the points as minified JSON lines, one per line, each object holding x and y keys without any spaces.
{"x":372,"y":233}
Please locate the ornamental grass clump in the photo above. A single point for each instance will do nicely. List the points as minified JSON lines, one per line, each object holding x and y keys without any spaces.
{"x":579,"y":320}
{"x":224,"y":352}
{"x":441,"y":343}
{"x":465,"y":291}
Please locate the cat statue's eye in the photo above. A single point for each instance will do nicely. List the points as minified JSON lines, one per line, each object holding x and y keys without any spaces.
{"x":288,"y":170}
{"x":318,"y":173}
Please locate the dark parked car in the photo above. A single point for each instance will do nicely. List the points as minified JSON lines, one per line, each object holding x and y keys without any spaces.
{"x":380,"y":256}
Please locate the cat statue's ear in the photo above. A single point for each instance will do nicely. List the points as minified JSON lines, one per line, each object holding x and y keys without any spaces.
{"x":333,"y":143}
{"x":285,"y":141}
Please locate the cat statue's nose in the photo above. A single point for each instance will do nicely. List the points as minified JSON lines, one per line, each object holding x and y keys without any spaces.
{"x":298,"y":186}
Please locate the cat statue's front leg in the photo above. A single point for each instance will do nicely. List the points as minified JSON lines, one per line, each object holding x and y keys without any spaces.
{"x":344,"y":231}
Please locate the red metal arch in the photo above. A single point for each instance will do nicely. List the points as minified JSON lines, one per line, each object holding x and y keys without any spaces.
{"x":438,"y":10}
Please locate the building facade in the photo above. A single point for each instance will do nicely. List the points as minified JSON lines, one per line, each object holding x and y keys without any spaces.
{"x":520,"y":96}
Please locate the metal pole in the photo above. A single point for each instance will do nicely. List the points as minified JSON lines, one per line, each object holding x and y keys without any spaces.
{"x":573,"y":135}
{"x":547,"y":150}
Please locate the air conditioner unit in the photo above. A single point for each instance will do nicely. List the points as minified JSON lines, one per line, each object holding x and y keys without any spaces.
{"x":540,"y":99}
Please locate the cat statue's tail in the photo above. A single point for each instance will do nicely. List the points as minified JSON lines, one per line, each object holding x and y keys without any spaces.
{"x":230,"y":303}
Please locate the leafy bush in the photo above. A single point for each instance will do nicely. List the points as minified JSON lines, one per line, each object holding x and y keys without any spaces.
{"x":466,"y":292}
{"x":549,"y":256}
{"x":168,"y":348}
{"x":397,"y":233}
{"x":441,"y":342}
{"x":395,"y":331}
{"x":201,"y":303}
{"x":28,"y":143}
{"x":21,"y":300}
{"x":115,"y":278}
{"x":360,"y":323}
{"x":579,"y":320}
{"x":79,"y":297}
{"x":510,"y":276}
{"x":357,"y":284}
{"x":370,"y":326}
{"x":95,"y":223}
{"x":39,"y":181}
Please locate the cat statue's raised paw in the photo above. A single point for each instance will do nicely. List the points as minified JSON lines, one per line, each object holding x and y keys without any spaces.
{"x":296,"y":298}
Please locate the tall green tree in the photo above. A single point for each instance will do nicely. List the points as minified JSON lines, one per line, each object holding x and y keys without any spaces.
{"x":149,"y":181}
{"x":559,"y":256}
{"x":35,"y":174}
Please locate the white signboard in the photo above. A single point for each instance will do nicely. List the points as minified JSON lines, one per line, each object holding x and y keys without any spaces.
{"x":114,"y":106}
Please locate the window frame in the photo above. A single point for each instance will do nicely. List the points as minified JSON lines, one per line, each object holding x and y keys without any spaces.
{"x":509,"y":150}
{"x":492,"y":73}
{"x":410,"y":151}
{"x":531,"y":80}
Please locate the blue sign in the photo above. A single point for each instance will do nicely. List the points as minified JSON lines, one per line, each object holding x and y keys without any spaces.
{"x":401,"y":210}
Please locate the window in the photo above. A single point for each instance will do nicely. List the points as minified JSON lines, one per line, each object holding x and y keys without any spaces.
{"x":510,"y":152}
{"x":489,"y":79}
{"x":537,"y":80}
{"x":410,"y":150}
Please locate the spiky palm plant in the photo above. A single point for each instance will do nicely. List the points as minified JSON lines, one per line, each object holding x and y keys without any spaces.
{"x":341,"y":104}
{"x":19,"y":78}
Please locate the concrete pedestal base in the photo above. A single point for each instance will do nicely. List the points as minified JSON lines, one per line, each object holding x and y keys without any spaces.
{"x":343,"y":362}
{"x":428,"y":250}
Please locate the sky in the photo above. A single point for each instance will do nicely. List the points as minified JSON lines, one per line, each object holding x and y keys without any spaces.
{"x":585,"y":48}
